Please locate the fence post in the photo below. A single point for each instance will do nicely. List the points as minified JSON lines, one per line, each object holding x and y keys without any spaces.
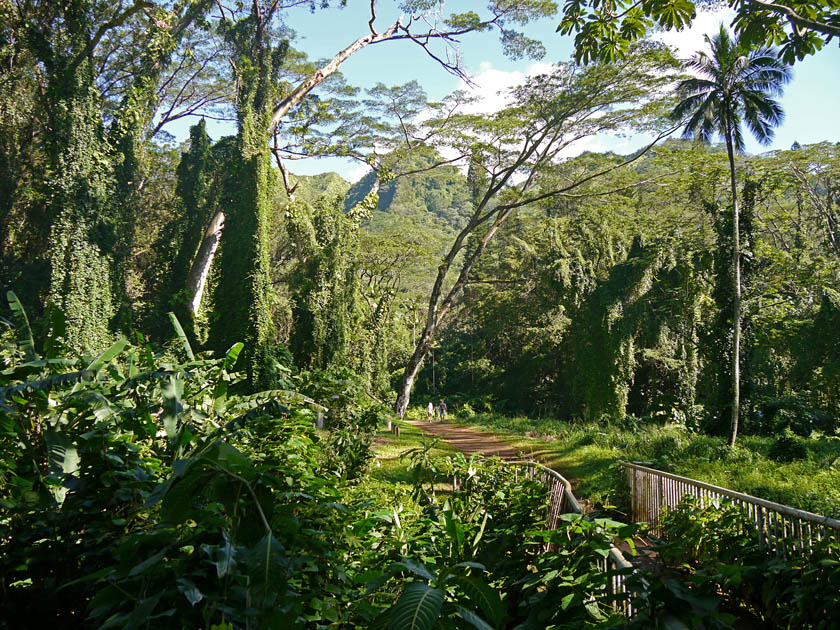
{"x":661,"y":504}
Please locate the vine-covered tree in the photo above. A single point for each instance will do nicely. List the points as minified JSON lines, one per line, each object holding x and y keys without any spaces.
{"x":735,"y":87}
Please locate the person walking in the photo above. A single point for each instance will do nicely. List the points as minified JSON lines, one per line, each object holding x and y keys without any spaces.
{"x":430,"y":410}
{"x":442,"y":408}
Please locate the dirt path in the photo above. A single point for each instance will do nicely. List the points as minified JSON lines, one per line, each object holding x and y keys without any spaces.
{"x":467,"y":440}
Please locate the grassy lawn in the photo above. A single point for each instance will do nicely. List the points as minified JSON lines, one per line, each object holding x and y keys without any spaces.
{"x":587,"y":453}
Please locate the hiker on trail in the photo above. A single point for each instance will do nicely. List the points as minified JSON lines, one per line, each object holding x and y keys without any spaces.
{"x":442,"y":408}
{"x":430,"y":410}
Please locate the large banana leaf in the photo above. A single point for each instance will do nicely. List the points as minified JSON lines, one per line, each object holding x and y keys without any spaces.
{"x":23,"y":332}
{"x":108,"y":355}
{"x":418,"y":608}
{"x":179,"y":330}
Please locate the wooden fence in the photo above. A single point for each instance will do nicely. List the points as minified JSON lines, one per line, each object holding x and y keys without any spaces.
{"x":563,"y":501}
{"x":781,"y":529}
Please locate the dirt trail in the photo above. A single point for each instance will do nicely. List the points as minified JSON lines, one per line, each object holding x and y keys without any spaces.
{"x":467,"y":440}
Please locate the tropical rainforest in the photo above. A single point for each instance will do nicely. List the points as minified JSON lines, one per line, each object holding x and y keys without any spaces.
{"x":203,"y":354}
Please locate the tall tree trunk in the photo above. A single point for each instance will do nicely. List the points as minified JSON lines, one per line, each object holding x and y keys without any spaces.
{"x":438,"y":308}
{"x":197,"y":277}
{"x":409,"y":374}
{"x":736,"y":300}
{"x":81,"y":234}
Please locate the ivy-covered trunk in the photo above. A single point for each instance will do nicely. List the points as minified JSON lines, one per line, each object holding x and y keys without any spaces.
{"x":184,"y":240}
{"x":83,"y":232}
{"x":243,"y":295}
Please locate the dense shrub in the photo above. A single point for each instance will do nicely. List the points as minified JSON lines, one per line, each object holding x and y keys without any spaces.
{"x":788,"y":589}
{"x":787,"y":447}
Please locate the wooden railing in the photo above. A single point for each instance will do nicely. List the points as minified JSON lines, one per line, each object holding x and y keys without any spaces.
{"x":781,"y":529}
{"x":563,"y":501}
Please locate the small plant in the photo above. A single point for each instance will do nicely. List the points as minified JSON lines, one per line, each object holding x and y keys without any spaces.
{"x":424,"y":467}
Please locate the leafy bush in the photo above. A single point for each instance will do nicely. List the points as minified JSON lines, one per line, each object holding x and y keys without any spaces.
{"x":720,"y":544}
{"x":776,"y":415}
{"x":138,"y":486}
{"x":787,"y":447}
{"x":351,"y":418}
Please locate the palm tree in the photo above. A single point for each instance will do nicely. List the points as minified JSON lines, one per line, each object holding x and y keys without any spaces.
{"x":733,"y":85}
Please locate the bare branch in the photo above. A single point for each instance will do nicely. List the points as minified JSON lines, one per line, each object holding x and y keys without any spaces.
{"x":312,"y":81}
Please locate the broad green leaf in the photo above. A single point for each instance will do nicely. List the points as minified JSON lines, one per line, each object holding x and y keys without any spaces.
{"x":23,"y":332}
{"x":473,"y":619}
{"x":416,"y":568}
{"x":106,"y":357}
{"x":63,"y":459}
{"x":482,"y":596}
{"x":179,"y":330}
{"x":418,"y":608}
{"x":268,"y":567}
{"x":172,"y":392}
{"x":381,"y":621}
{"x":232,"y":355}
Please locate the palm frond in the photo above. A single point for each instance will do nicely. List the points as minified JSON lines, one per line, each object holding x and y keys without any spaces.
{"x":736,"y":85}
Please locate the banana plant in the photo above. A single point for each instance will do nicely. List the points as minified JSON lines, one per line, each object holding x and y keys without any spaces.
{"x":440,"y":593}
{"x":447,"y":591}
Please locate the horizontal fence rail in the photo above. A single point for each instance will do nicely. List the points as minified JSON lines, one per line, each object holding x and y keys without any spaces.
{"x":562,"y":501}
{"x":781,"y":529}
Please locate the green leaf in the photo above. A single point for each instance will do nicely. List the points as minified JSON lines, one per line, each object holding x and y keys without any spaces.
{"x":482,"y":596}
{"x":415,"y":567}
{"x":268,"y":568}
{"x":232,"y":355}
{"x":566,"y":601}
{"x":380,"y":622}
{"x":418,"y":608}
{"x":172,"y":392}
{"x":473,"y":619}
{"x":23,"y":332}
{"x":106,"y":357}
{"x":148,"y":562}
{"x":181,"y":335}
{"x":63,"y":460}
{"x":594,"y":611}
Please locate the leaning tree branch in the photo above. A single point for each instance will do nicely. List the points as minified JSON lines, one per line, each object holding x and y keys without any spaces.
{"x":313,"y":80}
{"x":290,"y":190}
{"x":799,"y":23}
{"x":562,"y":191}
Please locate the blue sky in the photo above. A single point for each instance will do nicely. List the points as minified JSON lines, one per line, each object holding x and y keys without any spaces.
{"x":810,"y":101}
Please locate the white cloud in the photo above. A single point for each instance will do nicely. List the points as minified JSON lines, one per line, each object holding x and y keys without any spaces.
{"x":490,"y":85}
{"x":690,"y":40}
{"x":355,"y":174}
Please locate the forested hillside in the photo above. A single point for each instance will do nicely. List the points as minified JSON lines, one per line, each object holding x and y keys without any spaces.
{"x":212,"y":368}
